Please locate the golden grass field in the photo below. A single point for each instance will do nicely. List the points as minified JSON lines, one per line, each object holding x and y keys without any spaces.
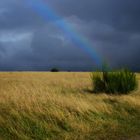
{"x":60,"y":106}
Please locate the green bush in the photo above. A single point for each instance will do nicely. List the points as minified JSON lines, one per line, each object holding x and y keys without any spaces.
{"x":54,"y":70}
{"x":117,"y":82}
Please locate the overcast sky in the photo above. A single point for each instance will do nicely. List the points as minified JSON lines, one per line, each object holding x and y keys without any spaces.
{"x":30,"y":42}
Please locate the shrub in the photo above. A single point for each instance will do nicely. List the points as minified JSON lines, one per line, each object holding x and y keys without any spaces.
{"x":54,"y":70}
{"x":117,"y":82}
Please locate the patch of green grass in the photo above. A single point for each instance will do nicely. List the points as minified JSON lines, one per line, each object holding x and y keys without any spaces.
{"x":102,"y":125}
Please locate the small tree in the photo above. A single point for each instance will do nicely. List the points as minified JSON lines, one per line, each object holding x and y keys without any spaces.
{"x":54,"y":70}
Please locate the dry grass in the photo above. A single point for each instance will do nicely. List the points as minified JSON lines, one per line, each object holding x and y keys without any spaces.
{"x":53,"y":106}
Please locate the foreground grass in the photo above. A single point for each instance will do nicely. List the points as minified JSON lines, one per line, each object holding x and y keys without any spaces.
{"x":59,"y":106}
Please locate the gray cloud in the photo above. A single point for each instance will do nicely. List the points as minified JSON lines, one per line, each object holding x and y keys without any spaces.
{"x":28,"y":42}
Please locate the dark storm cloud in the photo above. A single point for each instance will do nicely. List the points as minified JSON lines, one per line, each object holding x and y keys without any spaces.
{"x":121,"y":14}
{"x":17,"y":15}
{"x":28,"y":42}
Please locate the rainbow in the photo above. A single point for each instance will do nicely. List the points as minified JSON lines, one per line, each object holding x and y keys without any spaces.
{"x":43,"y":10}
